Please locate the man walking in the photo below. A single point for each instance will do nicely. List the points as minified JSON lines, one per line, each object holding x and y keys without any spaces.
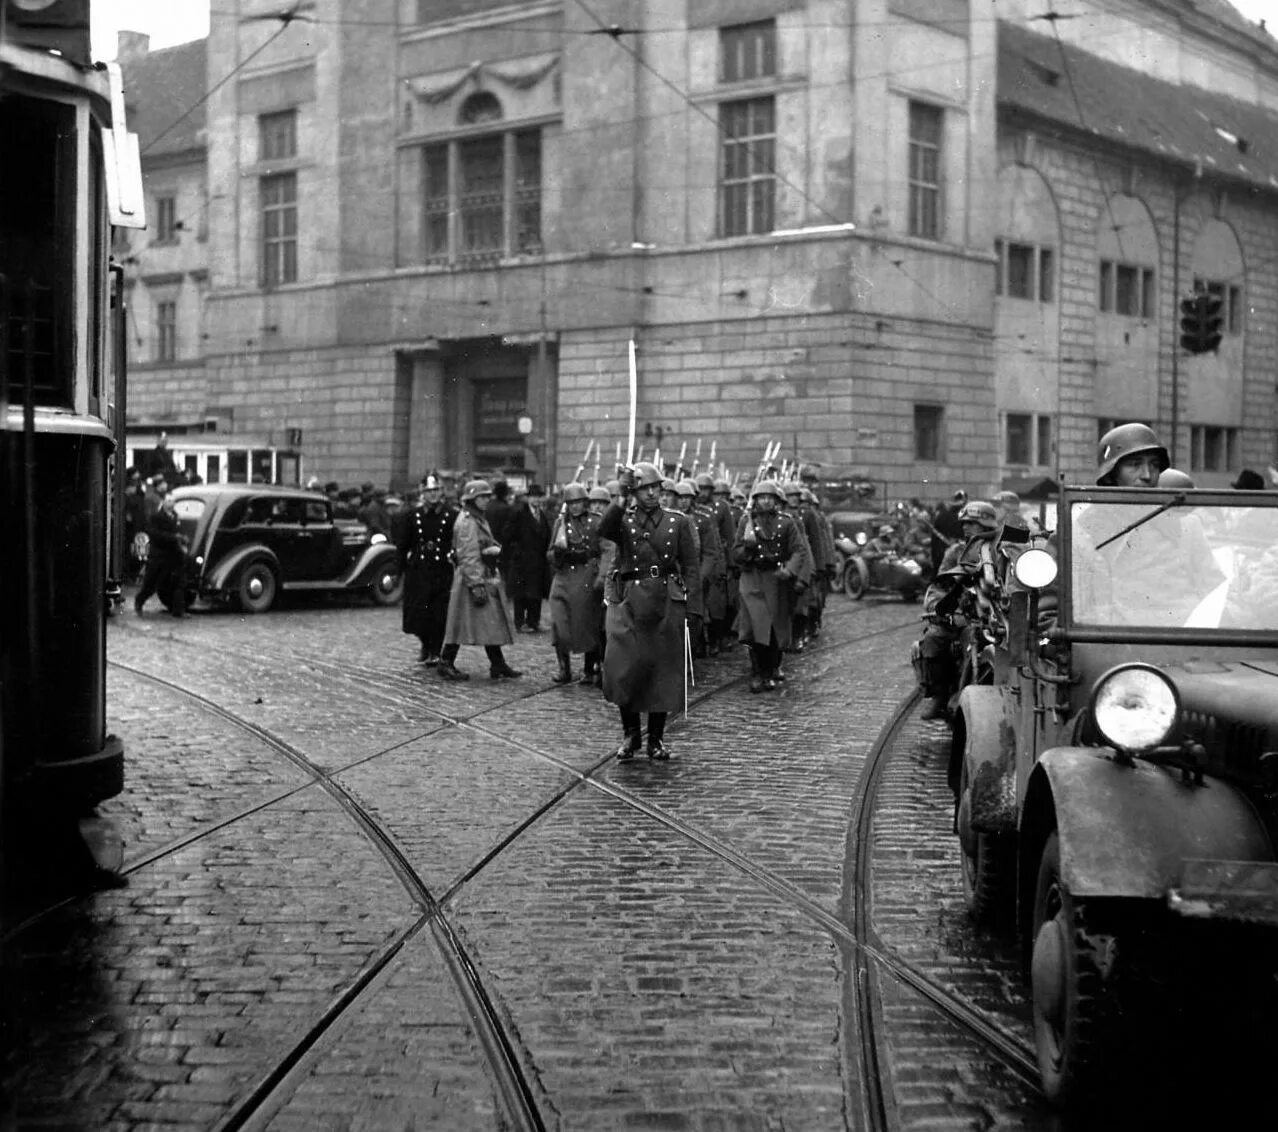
{"x":648,"y":595}
{"x":166,"y":556}
{"x":424,"y":542}
{"x":574,"y":593}
{"x":527,"y":539}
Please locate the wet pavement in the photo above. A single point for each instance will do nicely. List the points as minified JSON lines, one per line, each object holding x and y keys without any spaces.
{"x":364,"y":898}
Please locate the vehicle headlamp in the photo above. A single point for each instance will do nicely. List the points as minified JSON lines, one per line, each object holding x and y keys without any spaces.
{"x":1135,"y":707}
{"x":862,"y":538}
{"x":1035,"y":569}
{"x":377,"y":538}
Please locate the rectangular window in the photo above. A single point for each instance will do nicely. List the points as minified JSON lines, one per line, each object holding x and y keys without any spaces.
{"x":928,"y":439}
{"x":1105,"y":300}
{"x":747,"y":180}
{"x":1212,"y":448}
{"x":214,"y":467}
{"x":1148,"y":295}
{"x":166,"y":220}
{"x":481,"y":198}
{"x":925,"y":170}
{"x":1020,"y":271}
{"x":1233,"y":321}
{"x":1231,"y":305}
{"x":277,"y":136}
{"x":279,"y":229}
{"x":1126,"y":290}
{"x":748,"y":51}
{"x":165,"y":330}
{"x":1027,"y":439}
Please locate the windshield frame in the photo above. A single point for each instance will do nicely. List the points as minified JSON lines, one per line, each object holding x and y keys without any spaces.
{"x":1150,"y":498}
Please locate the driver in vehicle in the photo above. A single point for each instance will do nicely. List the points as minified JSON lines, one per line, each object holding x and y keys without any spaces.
{"x":884,"y":543}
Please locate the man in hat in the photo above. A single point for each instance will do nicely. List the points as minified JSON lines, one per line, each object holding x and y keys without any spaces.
{"x":1249,"y":481}
{"x":646,"y":621}
{"x":166,"y":556}
{"x":527,"y":540}
{"x":424,"y":541}
{"x":477,"y":613}
{"x":498,"y":515}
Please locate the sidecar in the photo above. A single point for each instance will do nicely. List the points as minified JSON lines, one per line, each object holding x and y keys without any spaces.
{"x":891,"y":573}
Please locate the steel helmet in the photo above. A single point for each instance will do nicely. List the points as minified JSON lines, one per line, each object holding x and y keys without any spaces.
{"x":612,"y":487}
{"x":684,"y":487}
{"x":647,"y":474}
{"x":737,"y":494}
{"x":1127,"y":440}
{"x":792,"y":487}
{"x":705,"y":480}
{"x":668,"y":485}
{"x":1174,"y":477}
{"x":574,"y":493}
{"x":886,"y":529}
{"x":721,"y":487}
{"x":600,"y":495}
{"x":978,"y":511}
{"x":474,"y":489}
{"x":766,"y":487}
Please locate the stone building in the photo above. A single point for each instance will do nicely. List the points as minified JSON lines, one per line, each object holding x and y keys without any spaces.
{"x":898,"y":234}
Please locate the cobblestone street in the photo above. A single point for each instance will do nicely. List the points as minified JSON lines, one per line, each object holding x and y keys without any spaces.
{"x":364,"y":898}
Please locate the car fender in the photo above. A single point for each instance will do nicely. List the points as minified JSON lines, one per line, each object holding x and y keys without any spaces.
{"x":1126,"y":828}
{"x":219,"y":578}
{"x":371,"y":560}
{"x":985,"y":716}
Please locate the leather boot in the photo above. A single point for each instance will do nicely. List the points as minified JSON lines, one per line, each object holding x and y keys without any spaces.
{"x":449,"y":671}
{"x":629,"y":746}
{"x":758,"y":682}
{"x":589,"y":666}
{"x":564,"y":675}
{"x":937,"y":708}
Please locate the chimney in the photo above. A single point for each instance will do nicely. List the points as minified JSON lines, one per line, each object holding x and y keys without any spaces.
{"x":131,"y":46}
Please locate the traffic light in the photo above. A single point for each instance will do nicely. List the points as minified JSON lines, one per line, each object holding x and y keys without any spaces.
{"x":1201,"y":322}
{"x":54,"y":25}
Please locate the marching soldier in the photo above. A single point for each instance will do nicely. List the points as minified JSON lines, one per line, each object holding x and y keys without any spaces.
{"x":576,"y":588}
{"x":709,"y":560}
{"x":804,"y":587}
{"x":477,"y":612}
{"x":424,"y":540}
{"x":649,"y":595}
{"x":600,"y":500}
{"x":769,"y":550}
{"x":712,"y":506}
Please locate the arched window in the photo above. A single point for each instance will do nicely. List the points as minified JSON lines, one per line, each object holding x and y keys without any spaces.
{"x":482,"y":106}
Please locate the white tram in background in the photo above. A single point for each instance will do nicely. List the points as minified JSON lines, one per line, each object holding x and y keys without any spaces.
{"x":70,"y":173}
{"x":217,"y":458}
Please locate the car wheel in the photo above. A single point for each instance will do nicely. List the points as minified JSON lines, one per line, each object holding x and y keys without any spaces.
{"x":840,"y":564}
{"x":255,"y":591}
{"x":1072,"y":970}
{"x":856,"y":579}
{"x":989,"y":868}
{"x":388,"y":586}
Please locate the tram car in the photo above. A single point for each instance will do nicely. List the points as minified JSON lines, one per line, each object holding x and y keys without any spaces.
{"x":71,"y":172}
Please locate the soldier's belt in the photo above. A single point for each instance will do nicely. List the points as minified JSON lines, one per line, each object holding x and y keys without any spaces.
{"x":646,"y":572}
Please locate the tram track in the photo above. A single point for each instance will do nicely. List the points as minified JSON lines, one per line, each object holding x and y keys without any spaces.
{"x":851,"y":929}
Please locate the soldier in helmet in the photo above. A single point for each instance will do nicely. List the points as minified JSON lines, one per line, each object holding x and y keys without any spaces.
{"x":769,"y":550}
{"x":477,"y":611}
{"x":601,"y":499}
{"x":424,"y":540}
{"x":961,"y":568}
{"x":1130,"y":456}
{"x":648,"y":597}
{"x":709,"y":559}
{"x":712,"y":510}
{"x":576,"y":587}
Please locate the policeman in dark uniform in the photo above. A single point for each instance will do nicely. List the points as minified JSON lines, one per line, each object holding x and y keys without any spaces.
{"x":648,"y":596}
{"x":424,"y":539}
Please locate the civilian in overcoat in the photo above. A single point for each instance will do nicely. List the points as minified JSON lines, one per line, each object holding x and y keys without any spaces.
{"x":477,"y":612}
{"x":648,"y":595}
{"x":424,"y":541}
{"x":527,"y":539}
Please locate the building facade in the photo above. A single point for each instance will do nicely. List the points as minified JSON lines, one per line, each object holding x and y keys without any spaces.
{"x":862,"y":230}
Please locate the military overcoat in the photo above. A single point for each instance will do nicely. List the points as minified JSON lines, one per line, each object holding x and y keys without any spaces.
{"x":648,"y":595}
{"x":765,"y":602}
{"x":575,"y":606}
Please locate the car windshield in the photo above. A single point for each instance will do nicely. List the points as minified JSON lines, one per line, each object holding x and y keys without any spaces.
{"x":1172,"y":561}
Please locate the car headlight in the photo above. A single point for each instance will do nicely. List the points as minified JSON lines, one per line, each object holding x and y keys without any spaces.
{"x":1035,"y":569}
{"x":377,"y":538}
{"x":1135,"y":707}
{"x":861,"y":538}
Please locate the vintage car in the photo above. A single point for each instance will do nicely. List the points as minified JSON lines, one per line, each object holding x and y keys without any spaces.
{"x":249,"y":543}
{"x":1117,"y":782}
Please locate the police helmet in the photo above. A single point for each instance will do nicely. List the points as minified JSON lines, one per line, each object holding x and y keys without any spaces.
{"x":430,"y":482}
{"x":978,"y":511}
{"x":684,"y":487}
{"x":574,"y":493}
{"x":474,"y":489}
{"x":705,"y":480}
{"x":1174,"y":477}
{"x":1127,"y":440}
{"x":600,"y":495}
{"x":766,"y":487}
{"x":646,"y":474}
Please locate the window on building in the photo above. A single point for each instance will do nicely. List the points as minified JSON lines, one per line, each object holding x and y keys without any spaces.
{"x":277,"y":136}
{"x":748,"y":172}
{"x":481,"y":198}
{"x":166,"y":220}
{"x":929,"y":439}
{"x":1025,"y":271}
{"x":1212,"y":448}
{"x":1231,"y":306}
{"x":166,"y":330}
{"x":748,"y":51}
{"x":925,"y":170}
{"x":279,"y":229}
{"x":1027,"y":439}
{"x":1127,"y":289}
